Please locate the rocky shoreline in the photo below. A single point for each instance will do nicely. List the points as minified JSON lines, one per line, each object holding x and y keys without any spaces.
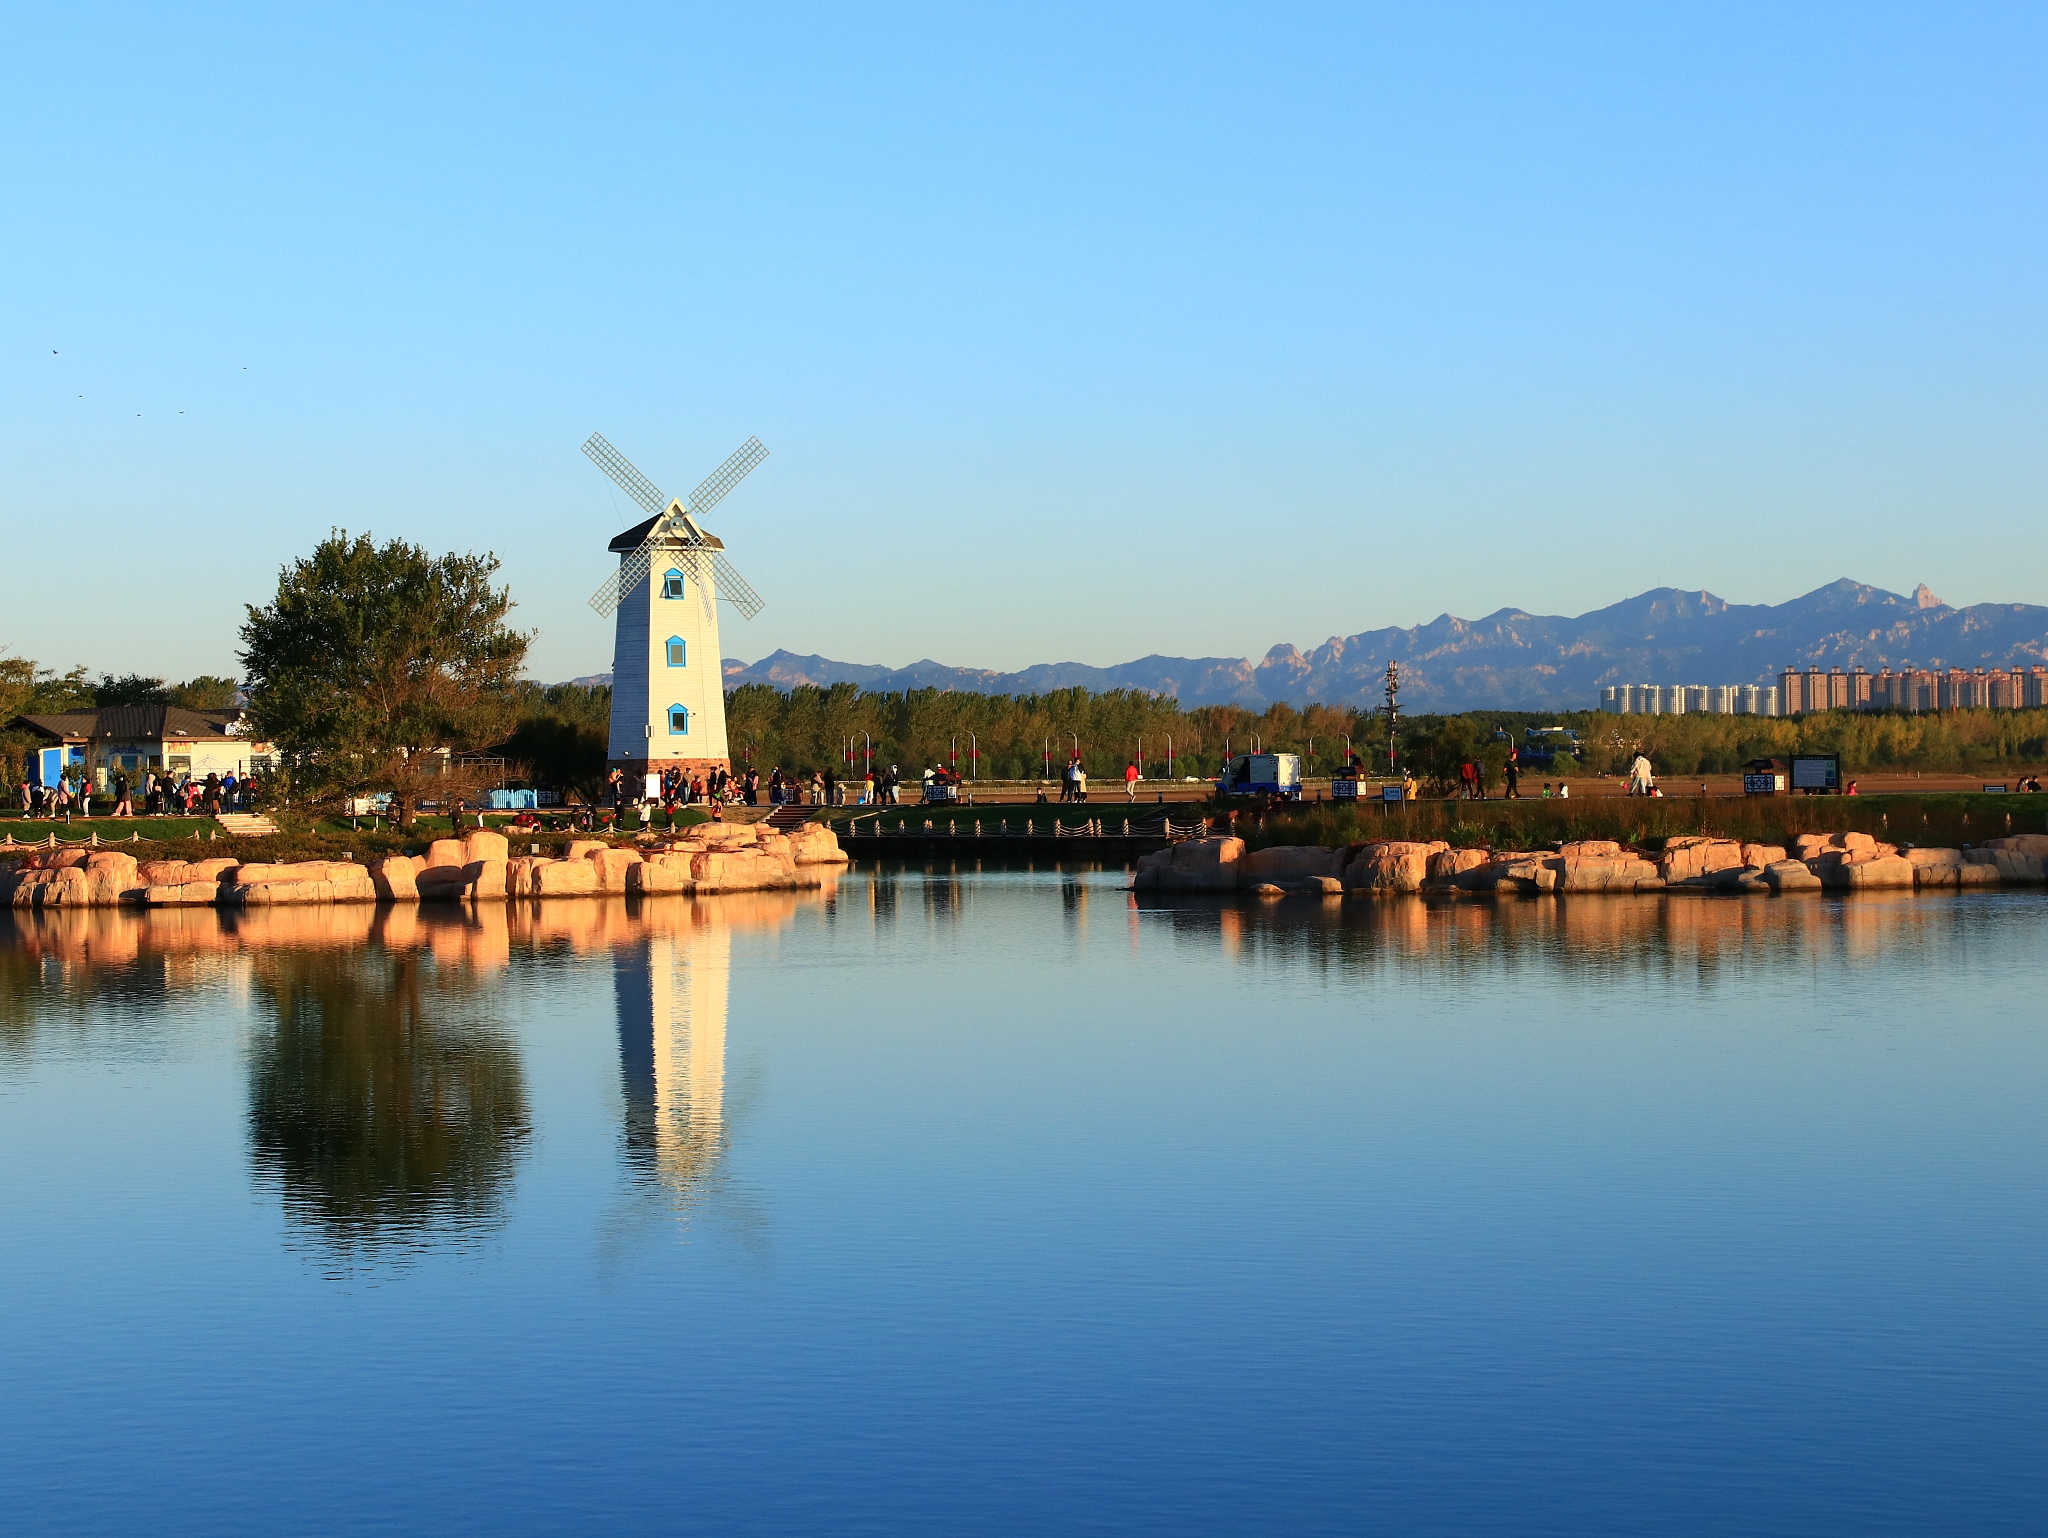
{"x":1814,"y":862}
{"x":710,"y":858}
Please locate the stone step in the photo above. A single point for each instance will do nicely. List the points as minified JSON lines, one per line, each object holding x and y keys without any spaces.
{"x":247,"y":824}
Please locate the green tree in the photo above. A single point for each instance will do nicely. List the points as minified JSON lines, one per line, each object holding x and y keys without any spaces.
{"x":28,"y":690}
{"x":132,"y":689}
{"x":561,"y":735}
{"x":374,"y":664}
{"x":206,"y":692}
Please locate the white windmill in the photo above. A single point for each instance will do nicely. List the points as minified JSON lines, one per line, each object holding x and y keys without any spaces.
{"x":668,"y":683}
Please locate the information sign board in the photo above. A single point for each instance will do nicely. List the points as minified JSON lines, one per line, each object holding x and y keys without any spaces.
{"x":1817,"y":773}
{"x":1390,"y":793}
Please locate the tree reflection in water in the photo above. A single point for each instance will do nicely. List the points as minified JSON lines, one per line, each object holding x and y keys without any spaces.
{"x":386,"y":1105}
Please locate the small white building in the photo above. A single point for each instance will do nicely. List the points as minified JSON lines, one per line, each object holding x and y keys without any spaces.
{"x":131,"y":738}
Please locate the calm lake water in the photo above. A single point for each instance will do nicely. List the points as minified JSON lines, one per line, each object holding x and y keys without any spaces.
{"x":989,"y":1201}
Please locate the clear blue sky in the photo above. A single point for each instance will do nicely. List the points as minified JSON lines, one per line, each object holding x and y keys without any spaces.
{"x":1077,"y":333}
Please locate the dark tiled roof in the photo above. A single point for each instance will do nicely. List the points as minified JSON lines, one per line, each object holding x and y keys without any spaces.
{"x":132,"y":723}
{"x":630,"y":540}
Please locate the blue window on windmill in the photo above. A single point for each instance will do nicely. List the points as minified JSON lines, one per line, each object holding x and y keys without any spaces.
{"x":672,"y":584}
{"x":678,"y":721}
{"x":678,"y":652}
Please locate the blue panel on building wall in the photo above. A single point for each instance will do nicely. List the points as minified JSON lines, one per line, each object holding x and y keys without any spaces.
{"x":49,"y":766}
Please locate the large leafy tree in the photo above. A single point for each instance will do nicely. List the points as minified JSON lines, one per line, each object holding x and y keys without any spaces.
{"x":375,"y":662}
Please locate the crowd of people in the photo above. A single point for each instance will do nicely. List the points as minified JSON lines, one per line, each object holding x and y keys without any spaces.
{"x":148,"y":794}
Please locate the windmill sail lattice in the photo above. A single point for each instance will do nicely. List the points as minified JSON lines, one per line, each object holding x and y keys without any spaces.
{"x":675,"y":528}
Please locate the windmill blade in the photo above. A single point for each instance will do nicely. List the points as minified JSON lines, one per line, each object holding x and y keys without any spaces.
{"x":609,"y":594}
{"x":724,"y":478}
{"x":733,"y":586}
{"x":630,"y":480}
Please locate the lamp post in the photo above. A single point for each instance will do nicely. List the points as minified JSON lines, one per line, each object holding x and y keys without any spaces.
{"x":973,"y":757}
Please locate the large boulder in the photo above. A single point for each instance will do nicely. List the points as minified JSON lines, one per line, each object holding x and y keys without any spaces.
{"x":743,"y":870}
{"x":1590,"y":849}
{"x":476,"y":879}
{"x":1691,"y":858}
{"x":1285,"y":862}
{"x":1452,"y":867}
{"x":1790,"y":876}
{"x":1514,"y":874}
{"x":1395,"y":865}
{"x":482,"y":844}
{"x":1617,"y":873}
{"x":1935,"y":867}
{"x":1757,"y":856}
{"x":662,"y":874}
{"x":305,"y":881}
{"x":1862,"y":875}
{"x":1193,"y":865}
{"x":395,"y":878}
{"x":447,"y":853}
{"x":110,"y":876}
{"x":188,"y":894}
{"x":563,"y":878}
{"x":2035,"y":844}
{"x":2014,"y":867}
{"x":611,"y":866}
{"x":812,"y":843}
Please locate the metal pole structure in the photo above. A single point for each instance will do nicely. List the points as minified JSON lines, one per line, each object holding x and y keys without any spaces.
{"x":973,"y":757}
{"x":1393,"y":693}
{"x":1169,"y":757}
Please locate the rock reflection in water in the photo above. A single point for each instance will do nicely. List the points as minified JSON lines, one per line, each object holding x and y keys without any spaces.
{"x":1688,"y":938}
{"x":387,"y":1105}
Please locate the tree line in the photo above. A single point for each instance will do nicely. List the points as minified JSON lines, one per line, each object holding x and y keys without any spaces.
{"x":383,"y":667}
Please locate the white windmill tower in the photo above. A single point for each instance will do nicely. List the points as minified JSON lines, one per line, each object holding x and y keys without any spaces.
{"x":668,"y":677}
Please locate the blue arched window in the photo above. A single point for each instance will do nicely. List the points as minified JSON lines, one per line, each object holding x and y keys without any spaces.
{"x":678,"y":652}
{"x":678,"y":721}
{"x":672,"y":584}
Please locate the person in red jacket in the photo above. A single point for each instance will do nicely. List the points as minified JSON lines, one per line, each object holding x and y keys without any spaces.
{"x":1130,"y":782}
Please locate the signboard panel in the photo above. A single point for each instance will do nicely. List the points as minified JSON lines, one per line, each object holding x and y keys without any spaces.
{"x":1390,"y":793}
{"x":1817,"y":772}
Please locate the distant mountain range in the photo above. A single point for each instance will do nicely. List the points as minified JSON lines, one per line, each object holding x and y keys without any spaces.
{"x":1514,"y":660}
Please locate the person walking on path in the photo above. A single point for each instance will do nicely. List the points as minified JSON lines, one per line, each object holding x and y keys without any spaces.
{"x":1130,"y":782}
{"x":1512,"y":773}
{"x":1640,"y":778}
